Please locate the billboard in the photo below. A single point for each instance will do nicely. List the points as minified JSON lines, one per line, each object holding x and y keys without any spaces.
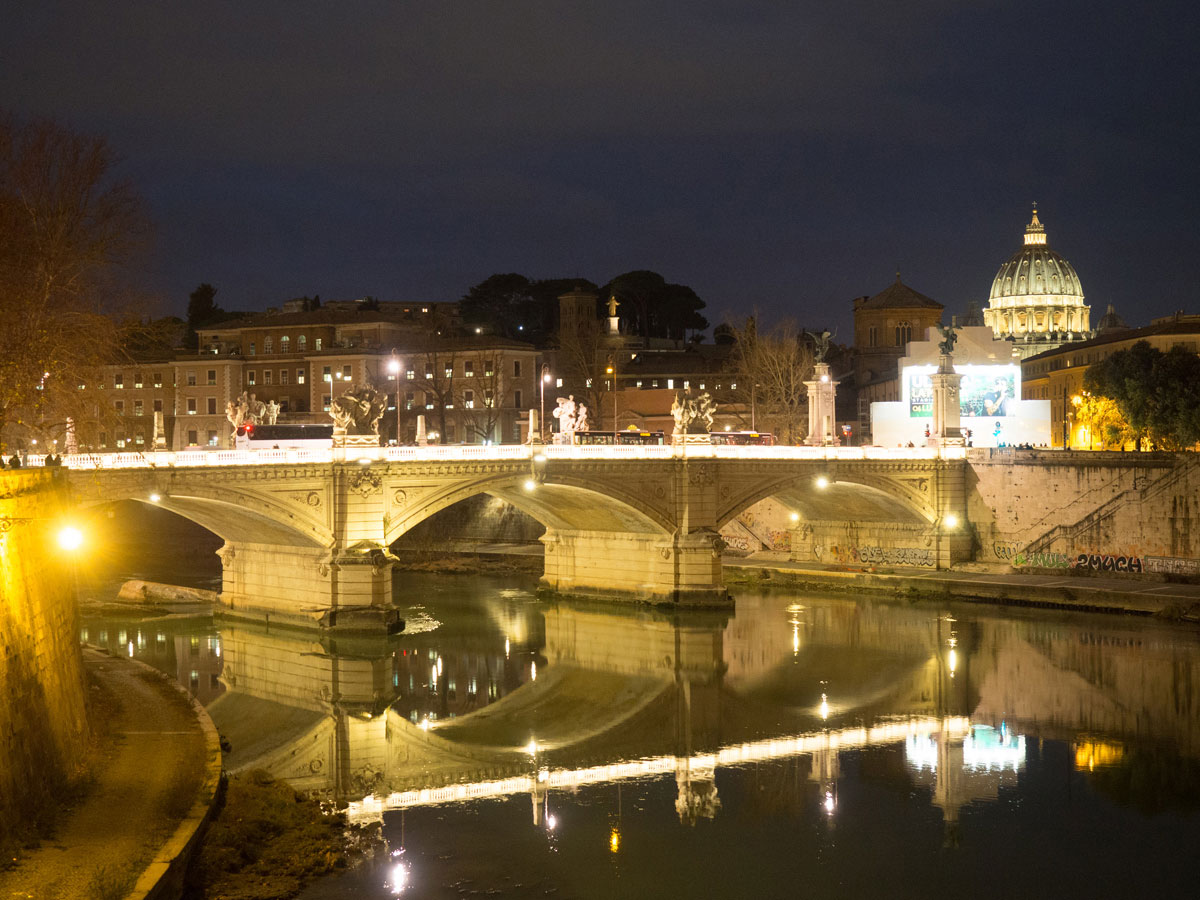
{"x":984,"y":392}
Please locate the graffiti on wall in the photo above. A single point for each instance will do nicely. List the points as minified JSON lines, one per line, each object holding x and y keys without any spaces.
{"x":1019,"y":558}
{"x":1104,"y":562}
{"x":1171,"y":565}
{"x":883,"y":556}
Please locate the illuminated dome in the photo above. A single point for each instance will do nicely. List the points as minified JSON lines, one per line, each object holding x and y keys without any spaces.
{"x":1036,"y":294}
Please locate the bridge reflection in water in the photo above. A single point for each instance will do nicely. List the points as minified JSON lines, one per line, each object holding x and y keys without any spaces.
{"x":504,"y":696}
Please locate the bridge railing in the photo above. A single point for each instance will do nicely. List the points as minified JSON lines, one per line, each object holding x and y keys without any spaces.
{"x":473,"y":452}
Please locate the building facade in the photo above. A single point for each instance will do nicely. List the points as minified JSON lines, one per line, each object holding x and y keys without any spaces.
{"x":1057,"y":375}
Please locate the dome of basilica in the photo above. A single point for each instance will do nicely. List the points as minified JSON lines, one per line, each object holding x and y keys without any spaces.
{"x":1035,"y":275}
{"x":1036,"y":297}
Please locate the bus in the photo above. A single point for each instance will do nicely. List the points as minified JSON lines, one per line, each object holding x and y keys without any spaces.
{"x":621,"y":437}
{"x":282,"y":437}
{"x":742,"y":438}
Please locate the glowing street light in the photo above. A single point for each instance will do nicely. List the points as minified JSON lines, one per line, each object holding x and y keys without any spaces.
{"x":545,"y":379}
{"x":394,"y":368}
{"x":70,"y":538}
{"x":822,"y":482}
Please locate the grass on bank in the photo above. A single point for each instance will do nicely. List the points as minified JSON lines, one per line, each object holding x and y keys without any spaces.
{"x":268,"y":842}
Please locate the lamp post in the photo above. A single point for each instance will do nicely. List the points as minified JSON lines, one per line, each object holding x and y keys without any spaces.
{"x":543,"y":381}
{"x":611,"y":372}
{"x":394,"y":368}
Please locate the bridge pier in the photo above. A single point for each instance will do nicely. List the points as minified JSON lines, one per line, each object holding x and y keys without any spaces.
{"x":345,"y":589}
{"x":647,"y":568}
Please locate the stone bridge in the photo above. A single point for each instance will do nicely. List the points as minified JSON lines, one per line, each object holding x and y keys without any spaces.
{"x":309,"y":539}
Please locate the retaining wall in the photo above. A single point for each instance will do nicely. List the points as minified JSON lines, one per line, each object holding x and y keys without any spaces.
{"x":43,"y":723}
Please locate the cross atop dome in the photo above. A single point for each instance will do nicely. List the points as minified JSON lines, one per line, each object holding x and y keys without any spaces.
{"x":1035,"y":233}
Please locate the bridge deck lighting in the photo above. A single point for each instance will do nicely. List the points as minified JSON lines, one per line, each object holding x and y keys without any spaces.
{"x":70,"y":538}
{"x":822,"y":482}
{"x":364,"y":460}
{"x":530,"y":484}
{"x":539,"y":457}
{"x":154,"y":498}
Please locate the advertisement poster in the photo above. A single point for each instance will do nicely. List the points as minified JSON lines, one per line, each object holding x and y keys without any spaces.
{"x":989,"y":392}
{"x":984,"y":392}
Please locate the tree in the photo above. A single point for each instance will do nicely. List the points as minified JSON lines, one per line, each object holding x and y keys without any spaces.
{"x":1102,"y":418}
{"x":67,"y":228}
{"x":502,"y":304}
{"x":772,"y":368}
{"x":202,"y":310}
{"x":1157,"y":394}
{"x":658,"y":309}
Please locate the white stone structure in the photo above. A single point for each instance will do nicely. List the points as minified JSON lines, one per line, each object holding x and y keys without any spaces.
{"x":991,"y":412}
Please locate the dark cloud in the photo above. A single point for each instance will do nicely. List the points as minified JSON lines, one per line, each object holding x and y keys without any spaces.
{"x":780,"y":155}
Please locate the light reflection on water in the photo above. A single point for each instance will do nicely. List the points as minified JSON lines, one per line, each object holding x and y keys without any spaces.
{"x":798,"y":745}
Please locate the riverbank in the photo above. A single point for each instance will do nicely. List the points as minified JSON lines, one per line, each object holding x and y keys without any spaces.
{"x":131,"y":828}
{"x":980,"y":584}
{"x":1088,"y":593}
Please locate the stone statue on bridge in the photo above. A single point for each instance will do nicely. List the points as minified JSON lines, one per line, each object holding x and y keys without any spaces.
{"x":245,"y":410}
{"x":272,"y":412}
{"x":572,"y":416}
{"x":821,"y":343}
{"x":693,"y":414}
{"x":946,"y":344}
{"x":358,"y":411}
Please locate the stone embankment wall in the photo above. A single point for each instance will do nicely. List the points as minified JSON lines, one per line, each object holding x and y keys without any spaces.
{"x":42,"y":715}
{"x":1106,"y":512}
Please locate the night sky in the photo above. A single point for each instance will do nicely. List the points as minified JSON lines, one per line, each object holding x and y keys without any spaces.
{"x":784,"y":156}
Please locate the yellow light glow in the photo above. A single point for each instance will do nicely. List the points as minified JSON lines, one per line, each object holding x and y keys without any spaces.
{"x":530,"y":484}
{"x":531,"y":748}
{"x":70,"y":537}
{"x":614,"y":841}
{"x":952,"y":660}
{"x":824,"y":707}
{"x":795,"y":517}
{"x":154,"y":498}
{"x":951,"y":520}
{"x":822,"y":482}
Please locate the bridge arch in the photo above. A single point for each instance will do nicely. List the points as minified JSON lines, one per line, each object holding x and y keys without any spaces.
{"x":560,"y":501}
{"x":233,"y":514}
{"x":860,"y":497}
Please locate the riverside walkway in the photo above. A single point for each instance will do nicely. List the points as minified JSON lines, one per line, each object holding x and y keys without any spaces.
{"x":156,"y":776}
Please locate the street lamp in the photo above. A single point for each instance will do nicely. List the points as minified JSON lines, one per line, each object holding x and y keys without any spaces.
{"x":394,"y":368}
{"x":611,"y":372}
{"x":542,"y":387}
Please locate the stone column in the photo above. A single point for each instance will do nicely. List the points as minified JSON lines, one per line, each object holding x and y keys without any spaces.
{"x":822,"y":420}
{"x":947,"y":414}
{"x":309,"y":586}
{"x":647,"y":568}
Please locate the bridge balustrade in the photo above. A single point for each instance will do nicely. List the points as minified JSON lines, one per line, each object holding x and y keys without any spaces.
{"x":472,"y":452}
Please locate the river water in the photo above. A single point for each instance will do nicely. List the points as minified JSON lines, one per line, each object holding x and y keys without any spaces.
{"x":795,"y":746}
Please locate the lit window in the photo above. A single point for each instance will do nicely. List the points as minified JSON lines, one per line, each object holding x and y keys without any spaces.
{"x":317,"y":344}
{"x":302,"y":342}
{"x":469,"y":399}
{"x":284,"y":344}
{"x":346,"y":373}
{"x":137,"y":380}
{"x":158,"y":379}
{"x":327,"y":374}
{"x":137,"y":408}
{"x":191,"y":407}
{"x":299,"y":376}
{"x":118,"y":381}
{"x":252,"y":377}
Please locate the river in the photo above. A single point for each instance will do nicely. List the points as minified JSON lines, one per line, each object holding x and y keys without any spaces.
{"x":797,"y":745}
